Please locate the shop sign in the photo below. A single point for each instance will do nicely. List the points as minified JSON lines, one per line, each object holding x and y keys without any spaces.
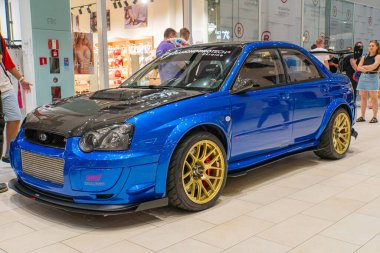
{"x":223,"y":35}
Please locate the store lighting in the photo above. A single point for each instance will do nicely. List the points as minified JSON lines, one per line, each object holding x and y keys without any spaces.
{"x":144,"y":1}
{"x":126,"y":3}
{"x":134,"y":1}
{"x":80,"y":10}
{"x":119,"y":4}
{"x":115,"y":5}
{"x":88,"y":9}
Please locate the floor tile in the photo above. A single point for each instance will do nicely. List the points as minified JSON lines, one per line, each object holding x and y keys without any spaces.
{"x":37,"y":239}
{"x":167,"y":235}
{"x":191,"y":246}
{"x":123,"y":247}
{"x":334,"y":208}
{"x":12,"y":230}
{"x":258,"y":245}
{"x":101,"y":238}
{"x":372,"y":246}
{"x":372,"y":208}
{"x":362,"y":192}
{"x":267,"y":194}
{"x":321,"y":244}
{"x":55,"y":248}
{"x":355,"y":228}
{"x":295,"y":230}
{"x":230,"y":233}
{"x":280,"y":210}
{"x":316,"y":193}
{"x":345,"y":180}
{"x":300,"y":181}
{"x":226,"y":211}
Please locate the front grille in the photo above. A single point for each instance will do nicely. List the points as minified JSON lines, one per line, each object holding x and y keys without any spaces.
{"x":43,"y":167}
{"x":45,"y":138}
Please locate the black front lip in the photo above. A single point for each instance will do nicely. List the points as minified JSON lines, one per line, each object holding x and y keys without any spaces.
{"x":92,"y":209}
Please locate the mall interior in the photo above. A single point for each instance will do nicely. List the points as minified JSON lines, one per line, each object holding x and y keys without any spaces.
{"x":298,"y":203}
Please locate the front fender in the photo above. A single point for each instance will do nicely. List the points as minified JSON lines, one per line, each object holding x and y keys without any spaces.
{"x":334,"y":105}
{"x":213,"y":118}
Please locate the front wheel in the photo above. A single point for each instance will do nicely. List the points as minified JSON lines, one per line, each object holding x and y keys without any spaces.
{"x":336,"y":138}
{"x":197,"y":172}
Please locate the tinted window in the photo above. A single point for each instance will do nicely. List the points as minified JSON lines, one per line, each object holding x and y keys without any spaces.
{"x":299,"y":66}
{"x":264,"y":68}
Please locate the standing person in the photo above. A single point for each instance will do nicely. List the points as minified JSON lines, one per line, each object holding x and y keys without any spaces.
{"x":11,"y":110}
{"x":165,"y":45}
{"x":350,"y":64}
{"x":183,"y":40}
{"x":184,"y":33}
{"x":324,"y":58}
{"x":333,"y":63}
{"x":167,"y":70}
{"x":369,"y":80}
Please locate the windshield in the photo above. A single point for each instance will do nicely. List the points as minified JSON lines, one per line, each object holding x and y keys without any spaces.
{"x":199,"y":68}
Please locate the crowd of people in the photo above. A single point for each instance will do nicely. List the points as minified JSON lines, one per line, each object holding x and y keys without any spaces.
{"x":362,"y":68}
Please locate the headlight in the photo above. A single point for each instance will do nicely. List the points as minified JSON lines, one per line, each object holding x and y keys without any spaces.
{"x":112,"y":138}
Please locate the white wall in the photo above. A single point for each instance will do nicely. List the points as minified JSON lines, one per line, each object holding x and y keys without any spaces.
{"x":373,"y":3}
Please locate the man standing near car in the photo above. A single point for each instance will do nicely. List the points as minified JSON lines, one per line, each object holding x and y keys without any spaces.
{"x":11,"y":109}
{"x":167,"y":70}
{"x":320,"y":55}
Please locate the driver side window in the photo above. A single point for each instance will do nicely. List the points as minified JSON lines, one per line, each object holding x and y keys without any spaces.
{"x":264,"y":68}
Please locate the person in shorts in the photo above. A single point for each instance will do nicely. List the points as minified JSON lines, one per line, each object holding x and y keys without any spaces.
{"x":11,"y":109}
{"x":369,"y":81}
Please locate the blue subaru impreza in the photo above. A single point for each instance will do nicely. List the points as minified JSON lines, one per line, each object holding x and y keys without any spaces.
{"x":173,"y":131}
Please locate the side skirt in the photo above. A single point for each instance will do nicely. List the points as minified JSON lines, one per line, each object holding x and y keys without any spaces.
{"x":242,"y":167}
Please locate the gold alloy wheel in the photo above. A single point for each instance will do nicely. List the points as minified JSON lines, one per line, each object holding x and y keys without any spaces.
{"x":341,"y":133}
{"x":203,"y":171}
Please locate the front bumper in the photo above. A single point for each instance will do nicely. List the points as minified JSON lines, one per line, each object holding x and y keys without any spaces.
{"x":63,"y":202}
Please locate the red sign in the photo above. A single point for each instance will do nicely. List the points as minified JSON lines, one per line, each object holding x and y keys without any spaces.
{"x":55,"y":53}
{"x":239,"y":30}
{"x":43,"y":61}
{"x":53,"y":44}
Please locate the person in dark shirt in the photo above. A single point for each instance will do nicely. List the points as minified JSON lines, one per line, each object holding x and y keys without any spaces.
{"x":350,"y":64}
{"x":334,"y":64}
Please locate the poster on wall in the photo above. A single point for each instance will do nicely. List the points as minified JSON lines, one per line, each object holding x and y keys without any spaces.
{"x":83,"y":53}
{"x":74,"y":23}
{"x":136,"y":16}
{"x":281,"y":20}
{"x":94,"y":21}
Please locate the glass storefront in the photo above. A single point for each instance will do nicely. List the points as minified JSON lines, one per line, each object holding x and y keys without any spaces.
{"x":134,"y":30}
{"x":227,"y":20}
{"x":281,"y":20}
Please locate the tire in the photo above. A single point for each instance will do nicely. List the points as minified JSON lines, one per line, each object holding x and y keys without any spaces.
{"x":335,"y":140}
{"x":197,"y":172}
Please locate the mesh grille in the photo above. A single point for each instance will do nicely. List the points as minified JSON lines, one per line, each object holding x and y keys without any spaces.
{"x":43,"y":167}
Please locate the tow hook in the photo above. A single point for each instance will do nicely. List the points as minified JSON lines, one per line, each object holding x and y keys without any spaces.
{"x":354,"y":133}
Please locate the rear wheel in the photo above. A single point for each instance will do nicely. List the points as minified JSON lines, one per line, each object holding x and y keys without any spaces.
{"x":197,"y":172}
{"x":336,"y":138}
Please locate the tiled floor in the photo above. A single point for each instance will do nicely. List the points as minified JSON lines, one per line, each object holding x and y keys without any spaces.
{"x":299,"y":204}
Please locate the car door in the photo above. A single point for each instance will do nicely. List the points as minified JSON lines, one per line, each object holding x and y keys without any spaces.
{"x":310,"y":92}
{"x":261,"y":116}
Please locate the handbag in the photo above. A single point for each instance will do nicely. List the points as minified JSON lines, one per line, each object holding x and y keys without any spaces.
{"x":356,"y":76}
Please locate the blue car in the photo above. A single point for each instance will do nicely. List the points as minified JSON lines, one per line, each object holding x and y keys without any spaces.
{"x":173,"y":131}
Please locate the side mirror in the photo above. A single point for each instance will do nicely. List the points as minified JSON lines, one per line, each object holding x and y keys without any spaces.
{"x":243,"y":85}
